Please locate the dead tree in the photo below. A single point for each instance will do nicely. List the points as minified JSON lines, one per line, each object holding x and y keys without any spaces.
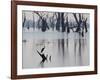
{"x":85,"y":25}
{"x":39,"y":23}
{"x":77,"y":21}
{"x":33,"y":22}
{"x":44,"y":22}
{"x":62,"y":22}
{"x":58,"y":22}
{"x":24,"y":20}
{"x":28,"y":27}
{"x":67,"y":25}
{"x":81,"y":23}
{"x":52,"y":21}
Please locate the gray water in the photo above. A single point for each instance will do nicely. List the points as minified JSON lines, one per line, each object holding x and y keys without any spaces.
{"x":64,"y":49}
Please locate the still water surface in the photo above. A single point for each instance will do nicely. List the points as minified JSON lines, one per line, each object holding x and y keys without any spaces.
{"x":63,"y":49}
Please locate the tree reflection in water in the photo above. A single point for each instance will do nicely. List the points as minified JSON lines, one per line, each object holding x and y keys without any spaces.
{"x":61,"y":52}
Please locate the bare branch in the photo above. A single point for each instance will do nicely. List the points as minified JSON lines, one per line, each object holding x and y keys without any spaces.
{"x":74,"y":14}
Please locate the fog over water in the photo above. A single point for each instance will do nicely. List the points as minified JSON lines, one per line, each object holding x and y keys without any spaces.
{"x":63,"y":49}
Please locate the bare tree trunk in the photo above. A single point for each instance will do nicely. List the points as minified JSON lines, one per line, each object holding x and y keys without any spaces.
{"x":78,"y":22}
{"x":67,"y":25}
{"x":28,"y":25}
{"x":62,"y":22}
{"x":33,"y":22}
{"x":85,"y":25}
{"x":44,"y":25}
{"x":23,"y":24}
{"x":58,"y":22}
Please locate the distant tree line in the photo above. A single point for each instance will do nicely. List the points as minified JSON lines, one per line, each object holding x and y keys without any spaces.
{"x":58,"y":21}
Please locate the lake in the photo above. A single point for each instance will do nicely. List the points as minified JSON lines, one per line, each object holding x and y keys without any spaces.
{"x":62,"y":49}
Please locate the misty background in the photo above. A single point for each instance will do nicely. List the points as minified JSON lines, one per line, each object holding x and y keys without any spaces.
{"x":63,"y":37}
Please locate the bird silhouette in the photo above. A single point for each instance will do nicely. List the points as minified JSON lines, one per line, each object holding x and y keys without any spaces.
{"x":42,"y":55}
